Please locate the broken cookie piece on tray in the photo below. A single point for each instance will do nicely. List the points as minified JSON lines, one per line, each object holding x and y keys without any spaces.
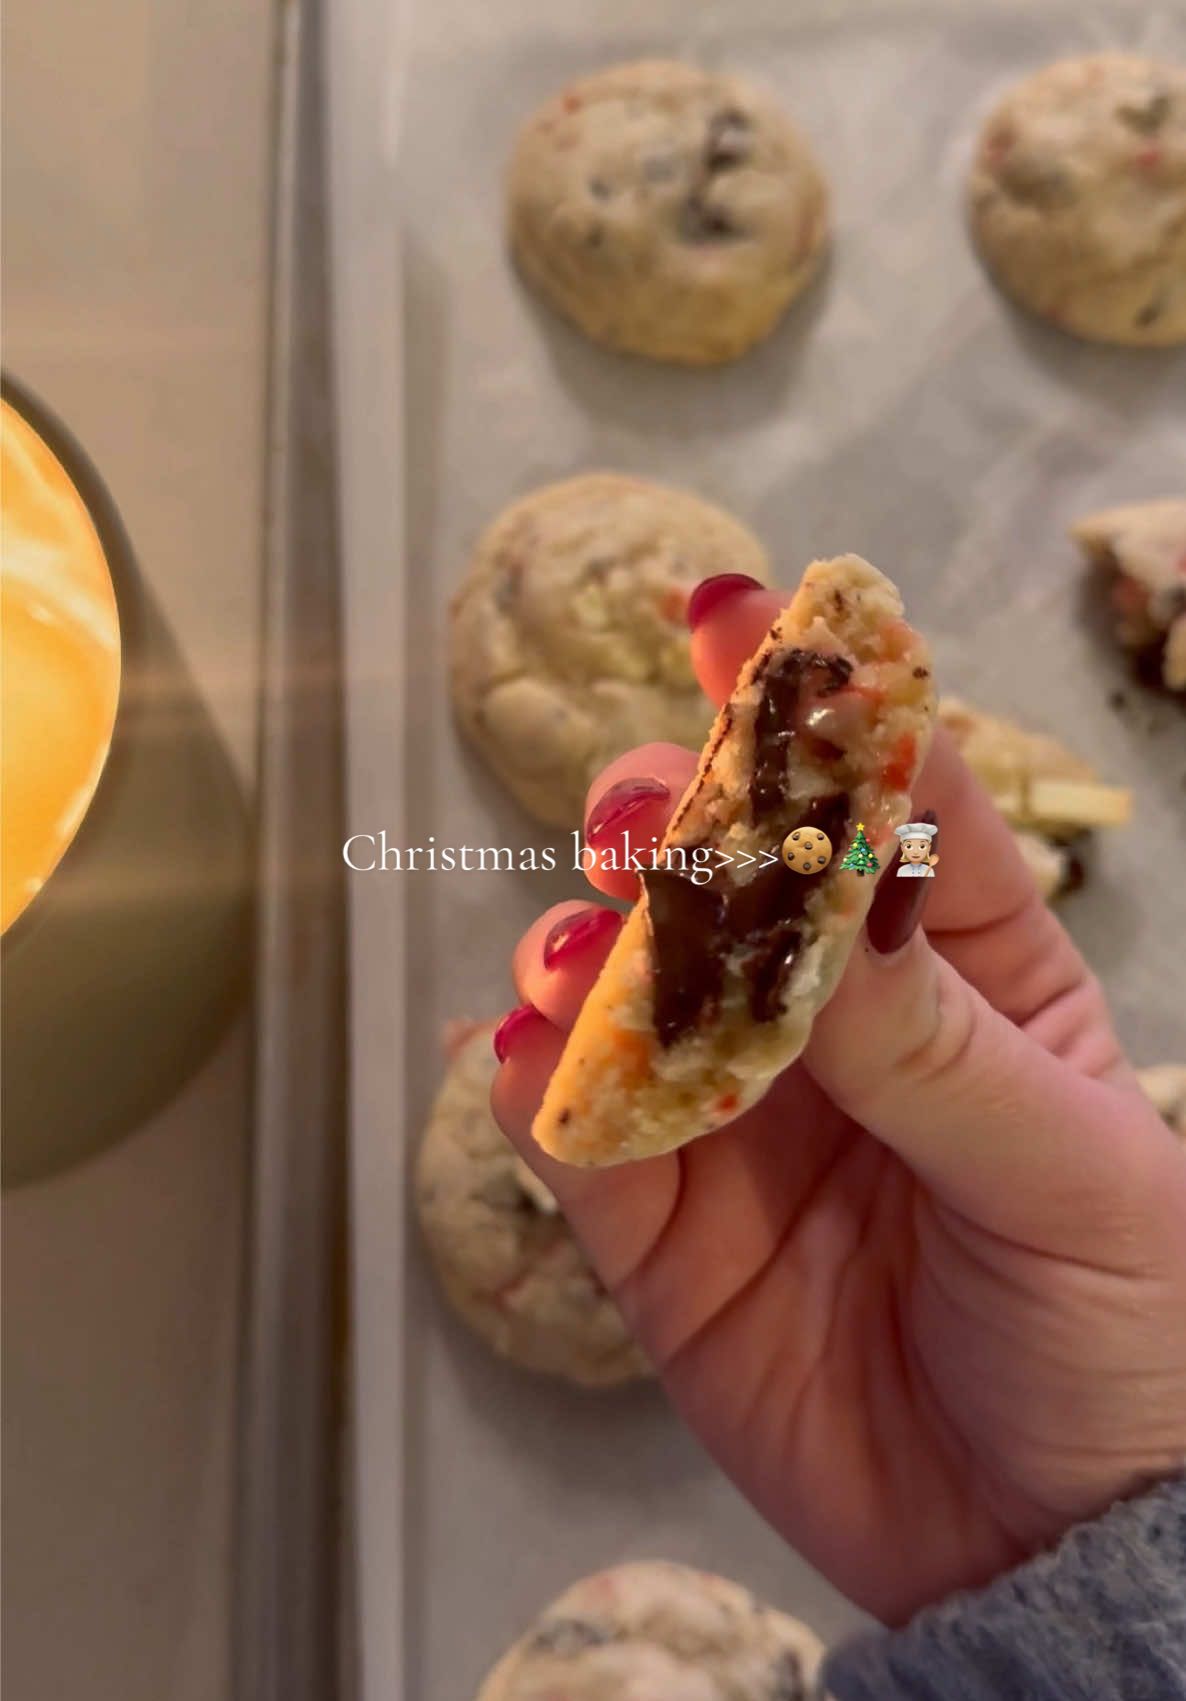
{"x":712,"y":986}
{"x":1143,"y":547}
{"x":1051,"y":798}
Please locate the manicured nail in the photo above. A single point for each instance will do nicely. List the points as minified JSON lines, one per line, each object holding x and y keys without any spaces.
{"x":620,"y":804}
{"x":573,"y":933}
{"x":512,"y":1026}
{"x":898,"y":904}
{"x":710,"y":593}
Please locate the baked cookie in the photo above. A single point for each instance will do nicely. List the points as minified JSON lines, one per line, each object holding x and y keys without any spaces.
{"x":1165,"y":1085}
{"x":666,"y":211}
{"x":654,"y":1631}
{"x":1078,"y":197}
{"x":505,"y":1256}
{"x":568,"y":641}
{"x":712,"y":985}
{"x":1050,"y":797}
{"x":1143,"y":547}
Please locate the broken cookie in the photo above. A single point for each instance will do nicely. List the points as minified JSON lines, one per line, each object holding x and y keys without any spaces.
{"x":1143,"y":548}
{"x":1050,"y":797}
{"x":711,"y":989}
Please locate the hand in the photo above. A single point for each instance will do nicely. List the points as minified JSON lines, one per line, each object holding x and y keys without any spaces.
{"x":926,"y":1303}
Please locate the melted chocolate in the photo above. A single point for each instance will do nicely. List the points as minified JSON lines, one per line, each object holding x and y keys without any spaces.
{"x":783,"y":684}
{"x":687,"y":925}
{"x":693,"y":928}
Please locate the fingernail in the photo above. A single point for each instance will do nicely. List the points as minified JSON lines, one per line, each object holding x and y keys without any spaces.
{"x":710,"y":593}
{"x":620,"y":804}
{"x":573,"y":933}
{"x":512,"y":1026}
{"x":896,"y":910}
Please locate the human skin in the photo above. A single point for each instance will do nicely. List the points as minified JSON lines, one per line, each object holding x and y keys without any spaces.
{"x":926,"y":1303}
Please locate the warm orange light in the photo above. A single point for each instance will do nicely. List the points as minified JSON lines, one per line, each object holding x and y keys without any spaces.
{"x":60,"y":662}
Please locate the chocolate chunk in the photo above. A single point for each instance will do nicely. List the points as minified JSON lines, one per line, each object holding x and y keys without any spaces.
{"x":774,"y":724}
{"x":1147,"y":118}
{"x":599,"y":189}
{"x":693,"y":929}
{"x":730,"y":140}
{"x":1151,"y":312}
{"x":686,"y":935}
{"x":787,"y":1682}
{"x":567,"y":1637}
{"x":701,"y":222}
{"x":1077,"y":854}
{"x":766,"y":914}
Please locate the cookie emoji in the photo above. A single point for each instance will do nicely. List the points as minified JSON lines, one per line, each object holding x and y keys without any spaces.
{"x":568,"y":642}
{"x":660,"y":1631}
{"x":506,"y":1258}
{"x":1078,"y":198}
{"x":666,"y":211}
{"x":806,"y":850}
{"x":1142,"y":547}
{"x":710,"y":990}
{"x":1051,"y":798}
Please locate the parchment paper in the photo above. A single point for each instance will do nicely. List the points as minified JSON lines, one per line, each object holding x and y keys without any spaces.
{"x":904,"y":411}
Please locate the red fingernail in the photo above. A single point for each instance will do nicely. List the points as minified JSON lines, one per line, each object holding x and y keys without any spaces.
{"x":710,"y":593}
{"x":572,"y":933}
{"x":512,"y":1024}
{"x":620,"y":803}
{"x":897,"y":906}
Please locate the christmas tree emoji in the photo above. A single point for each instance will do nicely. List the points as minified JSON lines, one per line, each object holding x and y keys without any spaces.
{"x":860,"y":855}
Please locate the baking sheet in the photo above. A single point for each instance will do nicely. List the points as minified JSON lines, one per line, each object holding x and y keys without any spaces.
{"x":904,"y":411}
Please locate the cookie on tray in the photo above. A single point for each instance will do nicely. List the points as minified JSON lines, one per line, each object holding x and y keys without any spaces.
{"x":568,"y":640}
{"x":667,"y":211}
{"x":1164,"y":1084}
{"x":1143,"y":547}
{"x":712,"y":985}
{"x":506,"y":1258}
{"x":662,"y":1631}
{"x":1050,"y":797}
{"x":1078,"y":197}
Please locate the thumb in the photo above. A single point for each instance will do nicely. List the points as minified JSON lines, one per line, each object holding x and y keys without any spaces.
{"x":998,"y":1127}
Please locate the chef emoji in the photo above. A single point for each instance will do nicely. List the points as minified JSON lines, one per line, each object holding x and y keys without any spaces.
{"x":917,"y":858}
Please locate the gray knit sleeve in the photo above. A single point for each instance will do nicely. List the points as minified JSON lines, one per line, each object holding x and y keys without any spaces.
{"x":1100,"y":1618}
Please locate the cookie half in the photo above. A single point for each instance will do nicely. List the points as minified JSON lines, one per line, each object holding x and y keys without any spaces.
{"x":568,"y":640}
{"x":1050,"y":797}
{"x":662,"y":1631}
{"x":506,"y":1258}
{"x":1143,"y":547}
{"x":1078,"y":198}
{"x":666,"y":211}
{"x":712,"y":985}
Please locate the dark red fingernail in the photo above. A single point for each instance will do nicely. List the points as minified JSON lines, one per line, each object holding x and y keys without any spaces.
{"x":710,"y":593}
{"x":620,"y":804}
{"x":512,"y":1024}
{"x":896,"y":909}
{"x":573,"y":933}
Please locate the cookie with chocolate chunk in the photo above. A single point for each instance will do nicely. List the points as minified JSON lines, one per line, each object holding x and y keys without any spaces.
{"x":506,"y":1258}
{"x":568,"y":643}
{"x":664,"y":1631}
{"x":1052,"y":799}
{"x":712,"y":985}
{"x":667,"y":211}
{"x":1078,"y":197}
{"x":1142,"y":546}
